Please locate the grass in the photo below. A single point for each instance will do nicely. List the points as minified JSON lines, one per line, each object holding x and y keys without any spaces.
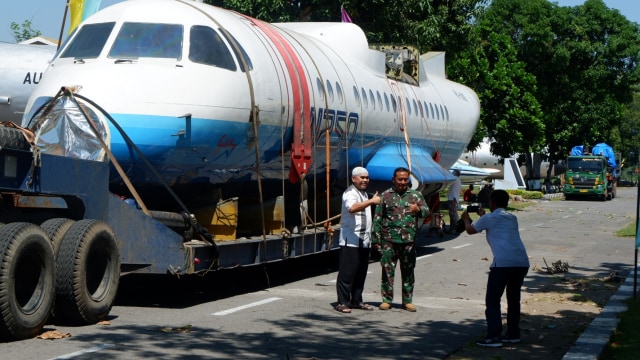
{"x":625,"y":343}
{"x":628,"y":231}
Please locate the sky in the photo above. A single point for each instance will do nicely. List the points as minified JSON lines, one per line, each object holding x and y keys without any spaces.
{"x":47,"y":15}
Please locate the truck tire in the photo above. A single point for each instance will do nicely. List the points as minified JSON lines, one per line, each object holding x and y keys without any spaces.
{"x":55,"y":229}
{"x":27,"y":274}
{"x":88,"y":265}
{"x":12,"y":138}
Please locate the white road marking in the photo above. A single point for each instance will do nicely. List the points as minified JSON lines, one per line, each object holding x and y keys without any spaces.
{"x":461,"y":246}
{"x":448,"y":303}
{"x":239,"y":308}
{"x":425,"y":256}
{"x":82,"y":352}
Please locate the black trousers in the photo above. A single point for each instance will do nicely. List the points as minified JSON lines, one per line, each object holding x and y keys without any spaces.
{"x":354,"y":263}
{"x":501,"y":278}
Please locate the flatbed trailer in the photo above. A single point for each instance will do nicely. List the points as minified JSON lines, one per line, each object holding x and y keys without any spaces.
{"x":66,"y":240}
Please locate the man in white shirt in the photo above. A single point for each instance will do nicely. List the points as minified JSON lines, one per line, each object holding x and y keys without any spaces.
{"x":355,"y":242}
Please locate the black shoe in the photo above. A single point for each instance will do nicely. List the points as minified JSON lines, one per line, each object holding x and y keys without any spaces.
{"x":510,"y":340}
{"x":490,"y":342}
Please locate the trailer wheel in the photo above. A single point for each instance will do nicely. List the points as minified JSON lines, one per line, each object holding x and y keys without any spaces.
{"x":88,"y":265}
{"x":55,"y":229}
{"x":12,"y":138}
{"x":27,"y":274}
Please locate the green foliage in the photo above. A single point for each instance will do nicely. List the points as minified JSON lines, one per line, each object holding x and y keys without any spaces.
{"x":526,"y":194}
{"x":629,"y":130}
{"x":510,"y":114}
{"x":625,"y":343}
{"x":584,"y":59}
{"x":24,"y":32}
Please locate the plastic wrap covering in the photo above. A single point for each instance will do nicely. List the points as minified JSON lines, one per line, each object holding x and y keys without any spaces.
{"x":577,"y":150}
{"x":606,"y":151}
{"x":65,"y":131}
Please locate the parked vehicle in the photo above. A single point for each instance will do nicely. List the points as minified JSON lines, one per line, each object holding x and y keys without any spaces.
{"x":591,"y":173}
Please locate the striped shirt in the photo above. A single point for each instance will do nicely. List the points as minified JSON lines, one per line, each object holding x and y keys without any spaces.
{"x":356,"y":227}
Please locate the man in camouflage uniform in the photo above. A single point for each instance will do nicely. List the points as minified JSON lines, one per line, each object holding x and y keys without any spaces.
{"x":395,"y":224}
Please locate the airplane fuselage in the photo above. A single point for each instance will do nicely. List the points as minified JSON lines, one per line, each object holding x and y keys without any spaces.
{"x":173,"y":74}
{"x":21,"y":69}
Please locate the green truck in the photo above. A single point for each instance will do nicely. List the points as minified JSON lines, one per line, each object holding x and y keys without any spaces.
{"x":591,"y":173}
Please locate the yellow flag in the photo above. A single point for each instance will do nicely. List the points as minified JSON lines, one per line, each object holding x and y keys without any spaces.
{"x":81,"y":10}
{"x":75,"y":7}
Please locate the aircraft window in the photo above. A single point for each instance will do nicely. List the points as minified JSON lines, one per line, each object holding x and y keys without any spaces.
{"x":421,"y":111}
{"x":89,"y":42}
{"x":379,"y":100}
{"x":432,"y":112}
{"x":357,"y":95}
{"x":140,"y":40}
{"x":437,"y":112}
{"x":330,"y":91}
{"x":442,"y":112}
{"x":340,"y":94}
{"x":372,"y":99}
{"x":408,"y":105}
{"x":446,"y":112}
{"x":393,"y":103}
{"x":364,"y":97}
{"x":415,"y":107}
{"x":235,"y":52}
{"x":320,"y":88}
{"x":207,"y":47}
{"x":386,"y":101}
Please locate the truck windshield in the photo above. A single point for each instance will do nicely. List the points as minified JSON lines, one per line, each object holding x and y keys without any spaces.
{"x":143,"y":40}
{"x":585,"y":164}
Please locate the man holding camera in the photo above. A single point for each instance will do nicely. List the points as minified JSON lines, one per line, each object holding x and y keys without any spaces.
{"x":507,"y":271}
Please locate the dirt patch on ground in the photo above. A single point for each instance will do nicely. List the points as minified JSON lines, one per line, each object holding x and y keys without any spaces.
{"x":556,"y":309}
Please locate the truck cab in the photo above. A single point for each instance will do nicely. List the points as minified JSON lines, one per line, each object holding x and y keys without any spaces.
{"x":591,"y":175}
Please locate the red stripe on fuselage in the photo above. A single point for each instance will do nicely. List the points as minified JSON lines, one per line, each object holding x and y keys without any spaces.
{"x":301,"y":151}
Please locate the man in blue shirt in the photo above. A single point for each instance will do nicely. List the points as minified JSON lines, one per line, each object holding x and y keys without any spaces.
{"x":508,"y":269}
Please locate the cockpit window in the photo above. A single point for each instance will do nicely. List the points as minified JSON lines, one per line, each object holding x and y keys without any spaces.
{"x":207,"y":47}
{"x":235,"y":52}
{"x":143,"y":40}
{"x":89,"y":42}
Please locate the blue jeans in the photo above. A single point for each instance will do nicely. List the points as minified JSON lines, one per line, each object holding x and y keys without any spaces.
{"x":500,"y":278}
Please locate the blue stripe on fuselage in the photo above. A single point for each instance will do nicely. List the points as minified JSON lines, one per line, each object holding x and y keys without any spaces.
{"x":167,"y":140}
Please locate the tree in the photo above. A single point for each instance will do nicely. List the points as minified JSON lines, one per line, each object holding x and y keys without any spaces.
{"x":585,"y":60}
{"x":24,"y":32}
{"x":630,"y":131}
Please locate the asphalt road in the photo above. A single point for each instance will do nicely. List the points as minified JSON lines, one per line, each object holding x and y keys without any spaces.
{"x":285,"y":310}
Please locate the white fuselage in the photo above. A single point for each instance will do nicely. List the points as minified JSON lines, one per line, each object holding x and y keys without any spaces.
{"x":21,"y":69}
{"x":194,"y":120}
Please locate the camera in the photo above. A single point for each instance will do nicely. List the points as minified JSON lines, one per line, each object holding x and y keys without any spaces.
{"x":473,"y":208}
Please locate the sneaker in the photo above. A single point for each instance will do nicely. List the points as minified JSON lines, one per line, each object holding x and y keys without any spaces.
{"x":490,"y":342}
{"x":510,"y":340}
{"x":409,"y":307}
{"x":385,"y":306}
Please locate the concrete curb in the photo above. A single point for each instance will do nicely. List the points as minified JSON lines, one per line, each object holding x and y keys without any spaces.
{"x":595,"y":338}
{"x":553,"y":196}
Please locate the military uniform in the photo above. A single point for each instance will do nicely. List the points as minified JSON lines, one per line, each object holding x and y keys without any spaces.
{"x":394,"y":230}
